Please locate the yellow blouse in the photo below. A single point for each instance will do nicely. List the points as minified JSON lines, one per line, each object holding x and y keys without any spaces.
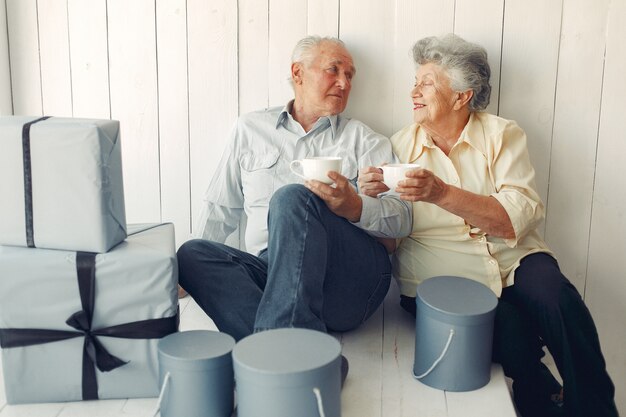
{"x":490,"y":158}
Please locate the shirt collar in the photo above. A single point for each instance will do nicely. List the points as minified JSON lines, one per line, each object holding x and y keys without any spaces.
{"x":322,"y":122}
{"x":473,"y":134}
{"x":284,"y":114}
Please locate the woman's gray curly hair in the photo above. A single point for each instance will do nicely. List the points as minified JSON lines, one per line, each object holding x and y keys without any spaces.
{"x":465,"y":63}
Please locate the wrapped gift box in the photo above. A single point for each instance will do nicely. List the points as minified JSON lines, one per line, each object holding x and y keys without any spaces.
{"x":77,"y":325}
{"x":61,"y":183}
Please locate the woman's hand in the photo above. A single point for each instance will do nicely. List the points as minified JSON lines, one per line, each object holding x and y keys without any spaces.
{"x":422,"y":185}
{"x":371,"y":181}
{"x":484,"y":212}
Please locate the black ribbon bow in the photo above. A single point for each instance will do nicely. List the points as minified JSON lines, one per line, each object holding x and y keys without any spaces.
{"x":94,"y":353}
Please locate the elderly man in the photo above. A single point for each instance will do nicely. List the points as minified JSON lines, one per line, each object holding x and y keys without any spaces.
{"x":312,"y":260}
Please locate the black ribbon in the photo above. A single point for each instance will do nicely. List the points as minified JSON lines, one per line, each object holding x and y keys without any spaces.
{"x":94,"y":353}
{"x":28,"y":181}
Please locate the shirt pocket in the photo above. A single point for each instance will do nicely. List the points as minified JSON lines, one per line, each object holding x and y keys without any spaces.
{"x":257,"y":177}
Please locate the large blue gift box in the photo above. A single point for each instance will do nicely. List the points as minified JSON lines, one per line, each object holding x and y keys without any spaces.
{"x":80,"y":325}
{"x":61,"y":183}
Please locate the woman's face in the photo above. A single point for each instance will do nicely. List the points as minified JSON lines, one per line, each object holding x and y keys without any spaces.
{"x":433,"y":99}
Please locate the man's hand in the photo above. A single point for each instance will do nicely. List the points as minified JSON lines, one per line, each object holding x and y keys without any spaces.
{"x":341,"y":199}
{"x":371,"y":181}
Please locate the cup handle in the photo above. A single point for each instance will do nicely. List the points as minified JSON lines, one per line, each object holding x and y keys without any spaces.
{"x":294,"y":164}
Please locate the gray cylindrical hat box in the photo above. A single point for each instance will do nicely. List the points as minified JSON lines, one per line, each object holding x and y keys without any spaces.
{"x":288,"y":373}
{"x":200,"y":381}
{"x":454,"y":333}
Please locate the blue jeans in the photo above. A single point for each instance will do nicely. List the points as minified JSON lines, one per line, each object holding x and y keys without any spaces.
{"x":319,"y":272}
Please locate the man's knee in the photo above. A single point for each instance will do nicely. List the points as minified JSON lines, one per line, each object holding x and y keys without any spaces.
{"x":201,"y":249}
{"x":288,"y":196}
{"x":194,"y":256}
{"x":291,"y":203}
{"x":189,"y":251}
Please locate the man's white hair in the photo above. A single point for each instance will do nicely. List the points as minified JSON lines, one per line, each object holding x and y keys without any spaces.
{"x":304,"y":52}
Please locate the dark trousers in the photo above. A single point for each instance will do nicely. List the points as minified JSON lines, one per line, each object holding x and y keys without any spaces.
{"x":543,"y":307}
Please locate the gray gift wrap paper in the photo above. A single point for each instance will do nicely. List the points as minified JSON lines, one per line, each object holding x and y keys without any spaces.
{"x":61,"y":183}
{"x":454,"y":333}
{"x":78,"y":325}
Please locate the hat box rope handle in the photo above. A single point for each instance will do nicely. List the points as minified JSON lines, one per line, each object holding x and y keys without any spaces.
{"x":320,"y":404}
{"x":166,"y":380}
{"x":439,"y":359}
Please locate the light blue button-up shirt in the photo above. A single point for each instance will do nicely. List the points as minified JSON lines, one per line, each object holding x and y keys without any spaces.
{"x":256,"y":163}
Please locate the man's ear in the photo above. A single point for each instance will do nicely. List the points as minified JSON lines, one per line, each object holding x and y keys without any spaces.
{"x":296,"y":72}
{"x":463,"y":98}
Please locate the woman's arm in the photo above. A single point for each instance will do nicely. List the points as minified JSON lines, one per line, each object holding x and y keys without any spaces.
{"x":480,"y":211}
{"x":371,"y":181}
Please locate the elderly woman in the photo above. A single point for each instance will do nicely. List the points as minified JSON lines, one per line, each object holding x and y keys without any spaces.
{"x":475,"y":213}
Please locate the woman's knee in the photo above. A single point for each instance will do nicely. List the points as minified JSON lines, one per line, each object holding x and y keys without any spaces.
{"x":539,"y":281}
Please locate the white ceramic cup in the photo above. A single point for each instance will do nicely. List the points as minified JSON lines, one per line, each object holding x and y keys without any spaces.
{"x":317,"y":167}
{"x":393,"y":173}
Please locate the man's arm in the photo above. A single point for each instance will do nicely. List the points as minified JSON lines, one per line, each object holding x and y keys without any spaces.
{"x":387,"y":217}
{"x":223,"y":200}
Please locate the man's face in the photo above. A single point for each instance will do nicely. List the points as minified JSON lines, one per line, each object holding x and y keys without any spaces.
{"x":323,"y":87}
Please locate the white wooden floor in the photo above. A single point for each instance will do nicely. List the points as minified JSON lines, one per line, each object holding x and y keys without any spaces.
{"x":379,"y":383}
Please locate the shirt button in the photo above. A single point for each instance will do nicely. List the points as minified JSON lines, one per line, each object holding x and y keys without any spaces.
{"x":455,"y":180}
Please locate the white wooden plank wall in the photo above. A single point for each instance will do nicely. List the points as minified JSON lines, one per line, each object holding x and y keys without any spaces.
{"x":367,"y":27}
{"x":530,"y":47}
{"x":414,"y":19}
{"x":134,"y":95}
{"x":287,"y":22}
{"x":253,"y":51}
{"x":212,"y":61}
{"x":56,"y":86}
{"x":24,"y":56}
{"x":572,"y":168}
{"x":173,"y":105}
{"x":6,"y":102}
{"x":176,"y":73}
{"x":606,"y":268}
{"x":89,"y":58}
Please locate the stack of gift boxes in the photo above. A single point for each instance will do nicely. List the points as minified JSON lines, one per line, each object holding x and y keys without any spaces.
{"x":83,"y":299}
